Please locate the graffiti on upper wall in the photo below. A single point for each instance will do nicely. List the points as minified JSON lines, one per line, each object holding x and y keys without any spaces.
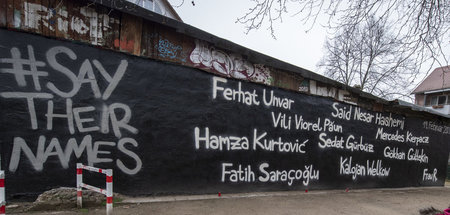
{"x":304,"y":86}
{"x":29,"y":73}
{"x":89,"y":23}
{"x":167,"y":49}
{"x":230,"y":65}
{"x":329,"y":91}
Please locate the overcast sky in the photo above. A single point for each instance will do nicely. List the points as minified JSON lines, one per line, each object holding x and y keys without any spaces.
{"x":293,"y":45}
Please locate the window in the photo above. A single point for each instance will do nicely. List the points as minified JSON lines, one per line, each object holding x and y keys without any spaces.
{"x":442,"y":100}
{"x":427,"y":100}
{"x":147,"y":4}
{"x":433,"y":100}
{"x":437,"y":100}
{"x":158,"y":8}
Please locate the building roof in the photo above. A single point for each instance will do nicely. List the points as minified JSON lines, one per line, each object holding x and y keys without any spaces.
{"x":252,"y":56}
{"x":169,"y":6}
{"x":437,"y":80}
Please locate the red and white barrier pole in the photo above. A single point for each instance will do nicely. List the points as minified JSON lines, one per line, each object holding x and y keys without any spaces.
{"x":79,"y":185}
{"x":2,"y":192}
{"x":109,"y":192}
{"x":109,"y":186}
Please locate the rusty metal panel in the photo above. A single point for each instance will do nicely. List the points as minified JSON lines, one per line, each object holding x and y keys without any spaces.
{"x":377,"y":107}
{"x":14,"y":13}
{"x":285,"y":80}
{"x":116,"y":28}
{"x":46,"y":30}
{"x":75,"y":20}
{"x":130,"y":34}
{"x":188,"y":47}
{"x":9,"y":13}
{"x":79,"y":28}
{"x":163,"y":43}
{"x":3,"y":8}
{"x":94,"y":18}
{"x":34,"y":17}
{"x":148,"y":40}
{"x":109,"y":29}
{"x":19,"y":14}
{"x":170,"y":46}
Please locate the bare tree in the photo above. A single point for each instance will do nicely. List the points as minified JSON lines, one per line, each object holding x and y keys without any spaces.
{"x":368,"y":56}
{"x":420,"y":26}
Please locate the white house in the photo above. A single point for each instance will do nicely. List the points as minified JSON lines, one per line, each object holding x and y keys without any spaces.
{"x":162,"y":7}
{"x":434,"y":91}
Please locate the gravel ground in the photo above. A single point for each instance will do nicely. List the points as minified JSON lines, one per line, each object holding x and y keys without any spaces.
{"x":405,"y":201}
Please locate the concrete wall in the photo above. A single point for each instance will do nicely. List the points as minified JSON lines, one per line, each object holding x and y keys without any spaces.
{"x":177,"y":114}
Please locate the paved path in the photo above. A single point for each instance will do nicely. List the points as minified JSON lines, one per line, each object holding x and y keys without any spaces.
{"x":405,"y":201}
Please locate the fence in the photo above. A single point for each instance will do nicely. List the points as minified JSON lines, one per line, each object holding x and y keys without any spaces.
{"x":109,"y":186}
{"x":2,"y":192}
{"x":448,"y":171}
{"x":448,"y":167}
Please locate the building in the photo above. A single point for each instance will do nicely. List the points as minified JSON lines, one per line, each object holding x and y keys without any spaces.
{"x":434,"y":91}
{"x":162,"y":7}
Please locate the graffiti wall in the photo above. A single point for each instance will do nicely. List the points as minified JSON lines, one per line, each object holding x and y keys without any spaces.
{"x":229,"y":65}
{"x":123,"y":26}
{"x":166,"y":129}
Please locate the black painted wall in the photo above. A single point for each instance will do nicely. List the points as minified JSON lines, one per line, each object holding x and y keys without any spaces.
{"x":168,"y":129}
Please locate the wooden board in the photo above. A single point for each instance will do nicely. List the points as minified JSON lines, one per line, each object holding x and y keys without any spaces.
{"x":10,"y":13}
{"x":3,"y":7}
{"x":149,"y":38}
{"x":131,"y":34}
